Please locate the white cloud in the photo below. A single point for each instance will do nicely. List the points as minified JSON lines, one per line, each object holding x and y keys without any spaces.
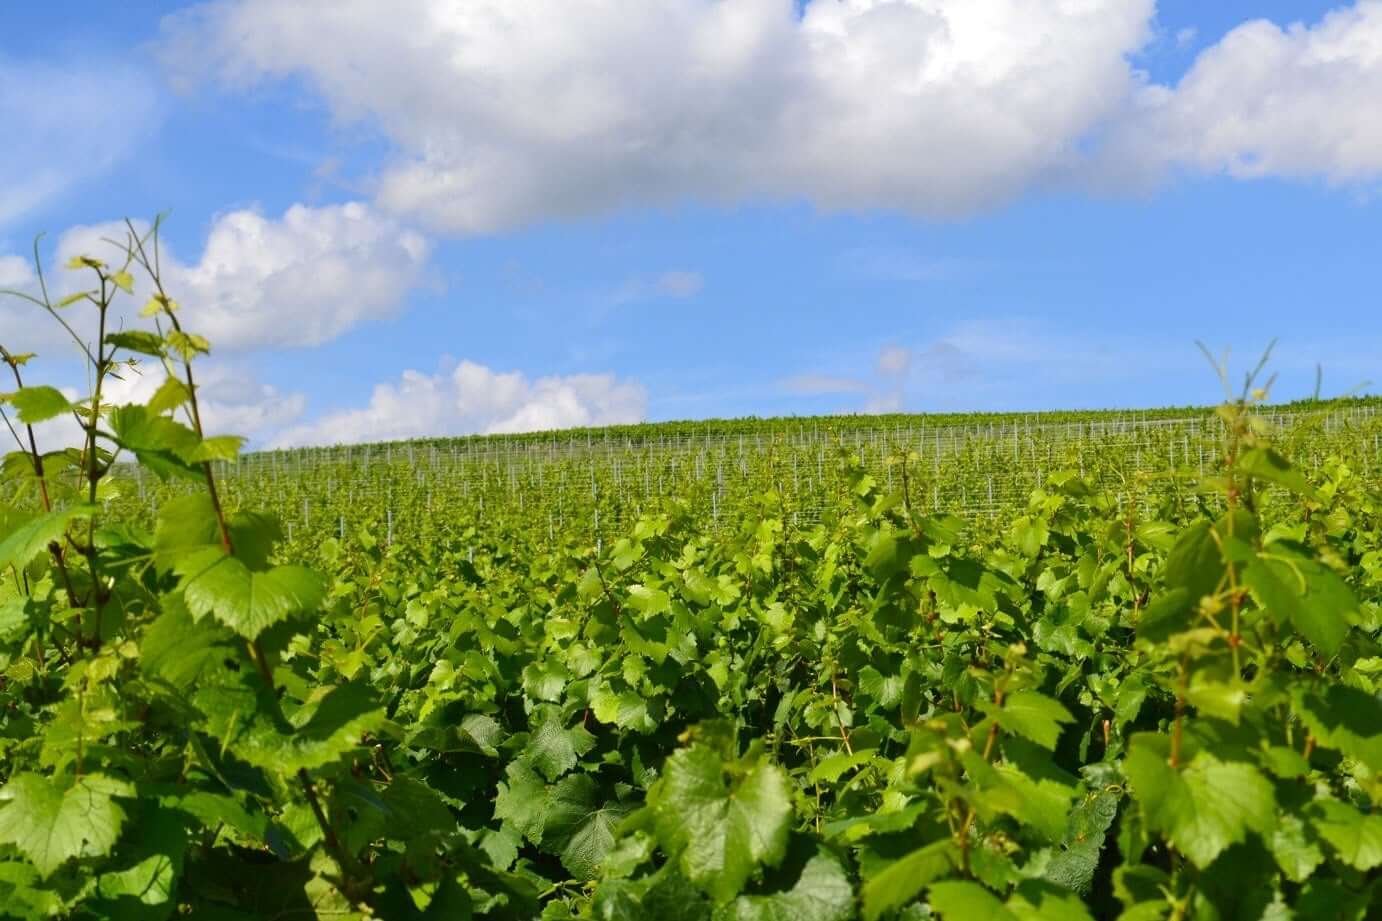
{"x":16,"y":273}
{"x":471,"y":398}
{"x":231,"y":401}
{"x":299,"y":280}
{"x":506,"y":112}
{"x":66,"y":122}
{"x":1294,"y":102}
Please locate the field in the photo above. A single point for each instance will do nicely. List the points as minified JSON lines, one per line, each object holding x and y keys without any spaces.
{"x":1083,"y":665}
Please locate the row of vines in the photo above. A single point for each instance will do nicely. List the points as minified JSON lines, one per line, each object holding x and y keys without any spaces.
{"x":1076,"y":706}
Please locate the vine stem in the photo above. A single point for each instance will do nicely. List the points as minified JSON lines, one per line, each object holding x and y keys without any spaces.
{"x":256,"y":651}
{"x":989,"y":744}
{"x":54,"y":548}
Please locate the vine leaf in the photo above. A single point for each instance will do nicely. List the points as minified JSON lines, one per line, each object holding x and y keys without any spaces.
{"x":223,"y":588}
{"x":50,"y":824}
{"x":1203,"y":808}
{"x":1031,"y":715}
{"x":721,"y":819}
{"x":37,"y":404}
{"x":822,"y":893}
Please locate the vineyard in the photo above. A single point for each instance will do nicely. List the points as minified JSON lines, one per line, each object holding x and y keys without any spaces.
{"x":1068,"y":666}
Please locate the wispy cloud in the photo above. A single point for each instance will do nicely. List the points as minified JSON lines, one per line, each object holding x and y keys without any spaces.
{"x":67,"y":122}
{"x":674,"y":284}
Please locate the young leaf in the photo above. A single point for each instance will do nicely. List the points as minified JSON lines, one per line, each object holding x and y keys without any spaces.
{"x":37,"y":404}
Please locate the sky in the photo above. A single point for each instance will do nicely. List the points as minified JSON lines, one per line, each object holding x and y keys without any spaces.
{"x":433,"y":217}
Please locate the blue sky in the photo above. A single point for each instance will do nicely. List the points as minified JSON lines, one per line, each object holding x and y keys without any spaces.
{"x":489,"y":215}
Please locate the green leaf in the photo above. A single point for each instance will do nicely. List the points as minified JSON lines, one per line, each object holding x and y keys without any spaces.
{"x":159,"y":442}
{"x":37,"y":404}
{"x":823,"y":892}
{"x":961,"y":901}
{"x":51,"y":823}
{"x":1296,"y":850}
{"x":149,"y":870}
{"x":241,"y":716}
{"x":902,"y":880}
{"x":1345,"y":719}
{"x":553,"y":750}
{"x":563,"y":819}
{"x":1355,"y":837}
{"x":221,"y":587}
{"x":1031,"y":715}
{"x":33,"y":537}
{"x":649,"y":601}
{"x":1266,"y":464}
{"x":833,"y":767}
{"x":1315,"y":600}
{"x":217,"y":447}
{"x":177,"y":649}
{"x":1037,"y":900}
{"x":721,"y":821}
{"x":1202,"y":808}
{"x":137,"y":340}
{"x":583,"y":838}
{"x":170,"y":394}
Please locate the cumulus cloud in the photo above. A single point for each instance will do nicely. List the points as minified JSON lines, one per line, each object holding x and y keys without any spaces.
{"x":16,"y":273}
{"x":230,"y":398}
{"x":1295,"y":101}
{"x":299,"y":280}
{"x":506,"y":112}
{"x":471,"y":398}
{"x":46,"y":106}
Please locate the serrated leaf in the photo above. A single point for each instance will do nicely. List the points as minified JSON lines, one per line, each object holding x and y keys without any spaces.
{"x":1345,"y":719}
{"x":137,"y":340}
{"x":822,"y":892}
{"x":241,"y":716}
{"x":1266,"y":464}
{"x":962,"y":901}
{"x":720,"y":826}
{"x":832,"y":767}
{"x":1355,"y":837}
{"x":1305,"y":593}
{"x":52,"y":822}
{"x":1031,"y":715}
{"x":215,"y":448}
{"x":902,"y":880}
{"x":221,"y":587}
{"x":1203,"y":807}
{"x":553,"y":750}
{"x":648,"y":601}
{"x":33,"y":537}
{"x":37,"y":404}
{"x":170,"y":394}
